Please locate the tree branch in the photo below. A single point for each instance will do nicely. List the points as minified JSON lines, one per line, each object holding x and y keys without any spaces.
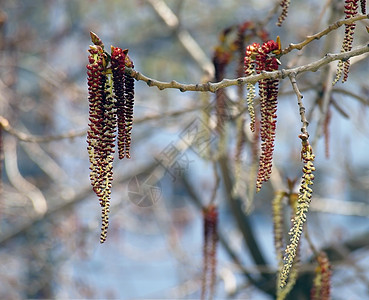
{"x":212,"y":87}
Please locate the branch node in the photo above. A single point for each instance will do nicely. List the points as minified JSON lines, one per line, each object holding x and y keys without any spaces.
{"x":284,"y":74}
{"x":210,"y":87}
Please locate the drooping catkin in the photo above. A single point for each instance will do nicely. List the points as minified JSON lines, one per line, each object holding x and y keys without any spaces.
{"x":322,"y":282}
{"x":96,"y":88}
{"x":285,"y":5}
{"x":277,"y":210}
{"x":118,"y":57}
{"x":299,"y":219}
{"x":129,"y":93}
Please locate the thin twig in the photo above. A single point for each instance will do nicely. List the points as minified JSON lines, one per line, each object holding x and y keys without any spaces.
{"x":25,"y":187}
{"x":322,"y":33}
{"x":4,"y":123}
{"x":327,"y":96}
{"x":304,"y":121}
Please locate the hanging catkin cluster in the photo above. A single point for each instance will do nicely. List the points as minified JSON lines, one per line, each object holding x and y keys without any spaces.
{"x":258,"y":59}
{"x":110,"y":106}
{"x":351,"y":9}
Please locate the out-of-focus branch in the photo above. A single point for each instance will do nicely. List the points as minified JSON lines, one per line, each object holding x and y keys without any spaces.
{"x":82,"y":195}
{"x":26,"y":137}
{"x":361,"y":99}
{"x":244,"y":224}
{"x":340,"y":207}
{"x":18,"y":181}
{"x":184,"y":37}
{"x":226,"y":244}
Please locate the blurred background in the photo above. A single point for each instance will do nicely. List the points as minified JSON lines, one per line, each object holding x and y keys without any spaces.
{"x":49,"y":215}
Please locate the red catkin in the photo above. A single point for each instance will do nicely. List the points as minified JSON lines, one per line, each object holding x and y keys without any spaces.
{"x":118,"y":58}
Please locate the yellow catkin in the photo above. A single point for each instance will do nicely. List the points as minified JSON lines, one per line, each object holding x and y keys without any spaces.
{"x":282,"y":293}
{"x":250,"y":104}
{"x":105,"y":221}
{"x":339,"y":72}
{"x":277,"y":209}
{"x":299,"y":218}
{"x":107,"y":159}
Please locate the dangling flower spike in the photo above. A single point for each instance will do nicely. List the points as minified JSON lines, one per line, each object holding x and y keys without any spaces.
{"x":129,"y":93}
{"x":118,"y":64}
{"x":322,"y":282}
{"x":285,"y":5}
{"x":249,"y":60}
{"x":363,"y":6}
{"x":303,"y":202}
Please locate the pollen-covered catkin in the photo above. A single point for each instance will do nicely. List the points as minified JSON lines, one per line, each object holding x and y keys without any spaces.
{"x":299,"y":219}
{"x":101,"y":134}
{"x":249,"y":67}
{"x":96,"y":89}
